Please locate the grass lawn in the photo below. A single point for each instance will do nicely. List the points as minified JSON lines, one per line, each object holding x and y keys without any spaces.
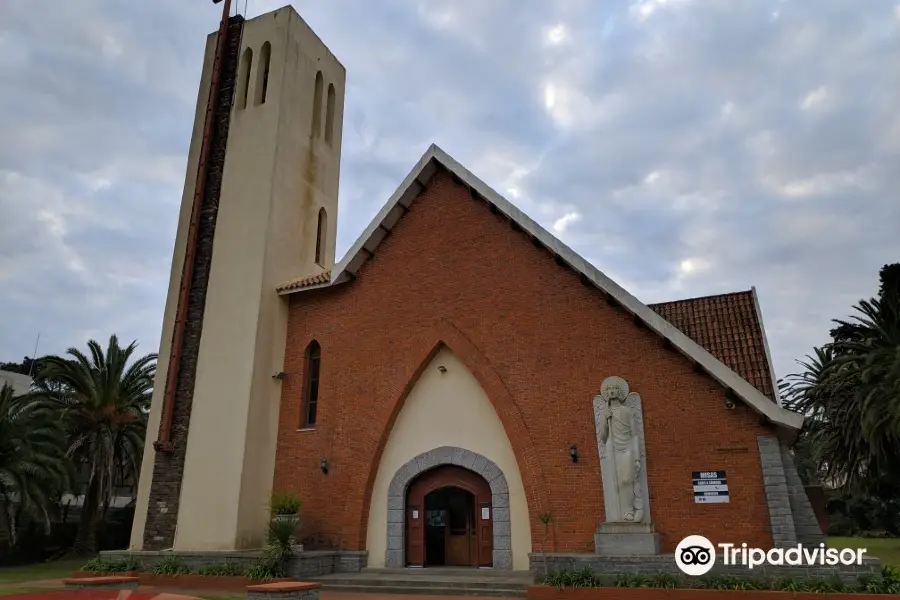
{"x":887,"y":549}
{"x":11,"y":591}
{"x":38,"y":571}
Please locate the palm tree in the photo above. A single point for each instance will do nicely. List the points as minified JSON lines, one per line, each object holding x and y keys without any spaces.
{"x":105,"y":402}
{"x":34,"y":471}
{"x":850,"y":392}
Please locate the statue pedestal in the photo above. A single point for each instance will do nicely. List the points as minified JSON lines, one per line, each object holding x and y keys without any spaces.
{"x":626,"y":539}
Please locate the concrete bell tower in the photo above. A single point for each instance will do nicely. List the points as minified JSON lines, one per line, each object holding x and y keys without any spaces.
{"x":259,"y":208}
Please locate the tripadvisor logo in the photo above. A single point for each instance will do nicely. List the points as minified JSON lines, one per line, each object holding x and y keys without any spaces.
{"x":695,"y":555}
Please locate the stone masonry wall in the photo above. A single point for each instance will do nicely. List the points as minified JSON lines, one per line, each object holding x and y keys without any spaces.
{"x":806,"y":524}
{"x":195,"y":560}
{"x":165,"y":489}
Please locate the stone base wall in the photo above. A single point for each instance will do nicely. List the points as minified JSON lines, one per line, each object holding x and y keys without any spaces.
{"x":314,"y":564}
{"x":195,"y":560}
{"x":302,"y":566}
{"x":304,"y":595}
{"x":665,"y":563}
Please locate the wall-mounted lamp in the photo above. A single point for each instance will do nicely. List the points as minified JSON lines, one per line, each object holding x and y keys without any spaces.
{"x":324,"y":465}
{"x":442,"y":369}
{"x":279,"y":375}
{"x":573,"y":453}
{"x":729,"y":400}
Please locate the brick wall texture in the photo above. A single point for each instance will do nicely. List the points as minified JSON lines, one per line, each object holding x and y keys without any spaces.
{"x":162,"y":512}
{"x":540,"y":343}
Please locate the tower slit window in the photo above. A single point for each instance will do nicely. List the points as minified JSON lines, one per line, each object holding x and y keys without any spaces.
{"x":320,"y":237}
{"x":244,"y":78}
{"x":262,"y":75}
{"x":317,"y":105}
{"x":329,"y":114}
{"x":311,"y":393}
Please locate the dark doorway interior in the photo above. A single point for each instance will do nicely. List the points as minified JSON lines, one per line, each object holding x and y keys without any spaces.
{"x":450,"y":535}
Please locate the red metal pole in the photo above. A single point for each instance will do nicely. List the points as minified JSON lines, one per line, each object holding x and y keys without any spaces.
{"x":164,"y":443}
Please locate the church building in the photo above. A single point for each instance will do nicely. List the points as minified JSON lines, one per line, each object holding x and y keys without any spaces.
{"x":460,"y":388}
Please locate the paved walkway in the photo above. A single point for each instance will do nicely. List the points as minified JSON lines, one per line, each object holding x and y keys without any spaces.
{"x":54,"y":591}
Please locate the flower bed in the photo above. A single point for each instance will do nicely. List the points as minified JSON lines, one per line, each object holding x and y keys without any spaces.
{"x":190,"y":581}
{"x":543,"y":592}
{"x":173,"y":573}
{"x":584,"y":585}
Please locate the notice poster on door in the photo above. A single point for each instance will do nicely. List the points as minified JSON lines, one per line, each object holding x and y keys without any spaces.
{"x":485,"y":513}
{"x":415,"y":514}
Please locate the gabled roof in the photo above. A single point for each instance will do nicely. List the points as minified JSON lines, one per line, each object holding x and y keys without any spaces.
{"x":434,"y":159}
{"x":730,"y":327}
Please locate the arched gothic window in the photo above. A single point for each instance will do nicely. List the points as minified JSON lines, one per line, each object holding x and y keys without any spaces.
{"x":311,"y":391}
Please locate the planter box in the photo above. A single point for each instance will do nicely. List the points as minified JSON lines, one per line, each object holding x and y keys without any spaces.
{"x":544,"y":592}
{"x":197,"y":582}
{"x":287,"y":518}
{"x":89,"y":574}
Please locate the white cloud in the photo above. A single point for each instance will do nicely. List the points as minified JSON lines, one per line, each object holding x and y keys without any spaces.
{"x":556,"y":35}
{"x":563,"y":223}
{"x":814,"y":98}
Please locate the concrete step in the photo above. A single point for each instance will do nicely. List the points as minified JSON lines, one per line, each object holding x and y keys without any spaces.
{"x":437,"y":581}
{"x":425,"y":591}
{"x":444,"y":572}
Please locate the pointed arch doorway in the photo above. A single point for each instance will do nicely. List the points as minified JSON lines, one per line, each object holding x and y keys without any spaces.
{"x":448,"y":519}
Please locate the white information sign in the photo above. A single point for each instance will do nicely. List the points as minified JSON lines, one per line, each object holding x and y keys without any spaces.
{"x":710,"y":487}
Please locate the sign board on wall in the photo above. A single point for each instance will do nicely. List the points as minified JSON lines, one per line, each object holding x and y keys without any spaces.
{"x":710,"y":487}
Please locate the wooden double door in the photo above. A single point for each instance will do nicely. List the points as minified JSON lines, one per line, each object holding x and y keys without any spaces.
{"x":448,"y":519}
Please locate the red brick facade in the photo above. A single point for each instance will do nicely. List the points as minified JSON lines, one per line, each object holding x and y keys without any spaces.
{"x":540,"y":343}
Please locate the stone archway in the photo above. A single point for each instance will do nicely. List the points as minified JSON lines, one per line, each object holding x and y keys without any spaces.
{"x":448,"y":455}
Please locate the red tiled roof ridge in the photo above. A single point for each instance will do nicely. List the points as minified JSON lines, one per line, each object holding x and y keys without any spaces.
{"x":707,"y":297}
{"x":306,"y":281}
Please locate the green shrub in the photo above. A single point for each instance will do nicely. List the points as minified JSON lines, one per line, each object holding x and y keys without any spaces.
{"x":106,"y":567}
{"x":285,"y":503}
{"x":172,"y":565}
{"x":263,"y":570}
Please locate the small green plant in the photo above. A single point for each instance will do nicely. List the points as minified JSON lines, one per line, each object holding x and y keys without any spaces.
{"x":664,"y":580}
{"x":263,"y":570}
{"x":545,"y":519}
{"x":122,"y":565}
{"x":285,"y":503}
{"x":172,"y":565}
{"x":227,"y":569}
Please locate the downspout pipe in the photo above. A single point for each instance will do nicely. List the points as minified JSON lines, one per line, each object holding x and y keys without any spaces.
{"x":164,"y":441}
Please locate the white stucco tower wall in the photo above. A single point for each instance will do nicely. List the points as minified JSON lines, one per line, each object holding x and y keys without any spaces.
{"x":279,"y":189}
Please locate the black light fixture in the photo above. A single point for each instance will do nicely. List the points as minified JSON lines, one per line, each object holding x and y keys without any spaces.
{"x":573,"y":453}
{"x":280,"y":375}
{"x":324,"y":465}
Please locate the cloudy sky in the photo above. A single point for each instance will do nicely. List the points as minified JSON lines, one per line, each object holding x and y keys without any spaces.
{"x":685,"y":147}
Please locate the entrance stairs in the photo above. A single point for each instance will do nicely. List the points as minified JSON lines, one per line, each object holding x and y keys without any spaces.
{"x":431,"y":581}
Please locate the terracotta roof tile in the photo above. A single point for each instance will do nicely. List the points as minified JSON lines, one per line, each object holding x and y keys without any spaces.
{"x":728,"y":326}
{"x":323,"y":277}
